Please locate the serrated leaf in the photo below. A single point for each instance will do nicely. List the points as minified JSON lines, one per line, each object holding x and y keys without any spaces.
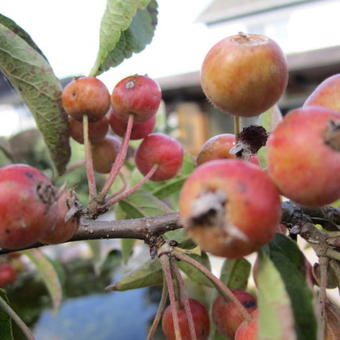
{"x":148,"y":274}
{"x":193,"y":273}
{"x":235,"y":273}
{"x":127,"y":27}
{"x":10,"y":24}
{"x":40,"y":89}
{"x":6,"y":331}
{"x":289,"y":261}
{"x":276,"y":321}
{"x":48,"y":274}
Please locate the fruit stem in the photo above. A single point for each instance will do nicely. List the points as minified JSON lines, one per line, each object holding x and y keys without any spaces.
{"x":322,"y":295}
{"x":15,"y":317}
{"x":115,"y":198}
{"x":88,"y":159}
{"x":184,"y":300}
{"x":117,"y":165}
{"x":220,"y":286}
{"x":237,"y":128}
{"x":159,"y":312}
{"x":164,"y":259}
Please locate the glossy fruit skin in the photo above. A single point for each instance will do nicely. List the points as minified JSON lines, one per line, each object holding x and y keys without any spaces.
{"x":218,"y":147}
{"x":28,"y":208}
{"x":104,"y":154}
{"x":200,"y":317}
{"x":230,"y":208}
{"x":248,"y":329}
{"x":97,"y":130}
{"x":7,"y":274}
{"x":63,"y":231}
{"x":139,"y":129}
{"x":226,"y":314}
{"x":137,"y":95}
{"x":305,"y":172}
{"x":158,"y":148}
{"x":326,"y":94}
{"x":86,"y":96}
{"x":244,"y":74}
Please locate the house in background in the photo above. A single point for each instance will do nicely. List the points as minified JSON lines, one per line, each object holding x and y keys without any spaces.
{"x":313,"y":54}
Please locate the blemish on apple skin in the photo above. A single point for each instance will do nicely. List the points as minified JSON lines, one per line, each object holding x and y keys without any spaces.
{"x":242,"y":187}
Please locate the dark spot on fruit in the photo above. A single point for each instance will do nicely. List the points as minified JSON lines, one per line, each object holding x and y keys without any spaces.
{"x":249,"y":304}
{"x":130,"y":84}
{"x":29,"y":174}
{"x":241,"y":187}
{"x":7,"y":231}
{"x":74,"y":94}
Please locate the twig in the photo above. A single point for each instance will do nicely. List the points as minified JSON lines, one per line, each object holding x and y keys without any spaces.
{"x":15,"y":317}
{"x":159,"y":312}
{"x":322,"y":296}
{"x":237,"y":128}
{"x":221,"y":287}
{"x":184,"y":300}
{"x":167,"y":272}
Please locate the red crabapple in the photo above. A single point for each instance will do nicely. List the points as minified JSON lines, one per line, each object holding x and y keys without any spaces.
{"x":218,"y":147}
{"x":230,"y":207}
{"x":303,"y":154}
{"x":104,"y":153}
{"x":139,"y":129}
{"x":97,"y":130}
{"x":7,"y":274}
{"x":137,"y":95}
{"x":248,"y":329}
{"x":226,"y":314}
{"x":86,"y":96}
{"x":63,"y":230}
{"x":244,"y":74}
{"x":160,"y":149}
{"x":28,"y":206}
{"x":326,"y":94}
{"x":200,"y":318}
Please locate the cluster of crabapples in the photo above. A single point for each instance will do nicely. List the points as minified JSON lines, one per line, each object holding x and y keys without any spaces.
{"x":229,"y":205}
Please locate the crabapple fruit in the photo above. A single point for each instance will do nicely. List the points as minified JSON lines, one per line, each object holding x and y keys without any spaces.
{"x":226,"y":314}
{"x":200,"y":318}
{"x":248,"y":329}
{"x":303,"y":154}
{"x":160,"y":149}
{"x":244,"y":74}
{"x":97,"y":130}
{"x":104,"y":153}
{"x":28,"y":208}
{"x":7,"y":274}
{"x":326,"y":94}
{"x":139,"y":129}
{"x":63,"y":230}
{"x":136,"y":95}
{"x":86,"y":96}
{"x":229,"y":207}
{"x":218,"y":147}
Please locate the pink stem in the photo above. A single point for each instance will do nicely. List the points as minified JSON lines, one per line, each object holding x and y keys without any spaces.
{"x":164,"y":259}
{"x":185,"y":301}
{"x":88,"y":159}
{"x":122,"y":189}
{"x":117,"y":165}
{"x":115,"y":198}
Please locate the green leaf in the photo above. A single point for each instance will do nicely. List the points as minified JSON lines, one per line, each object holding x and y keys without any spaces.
{"x":10,"y":24}
{"x":290,"y":263}
{"x":193,"y":273}
{"x":5,"y":320}
{"x":148,"y":274}
{"x":180,"y":235}
{"x":34,"y":79}
{"x":111,"y":262}
{"x":270,"y":118}
{"x":235,"y":273}
{"x":127,"y":27}
{"x":276,"y":321}
{"x":48,"y":273}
